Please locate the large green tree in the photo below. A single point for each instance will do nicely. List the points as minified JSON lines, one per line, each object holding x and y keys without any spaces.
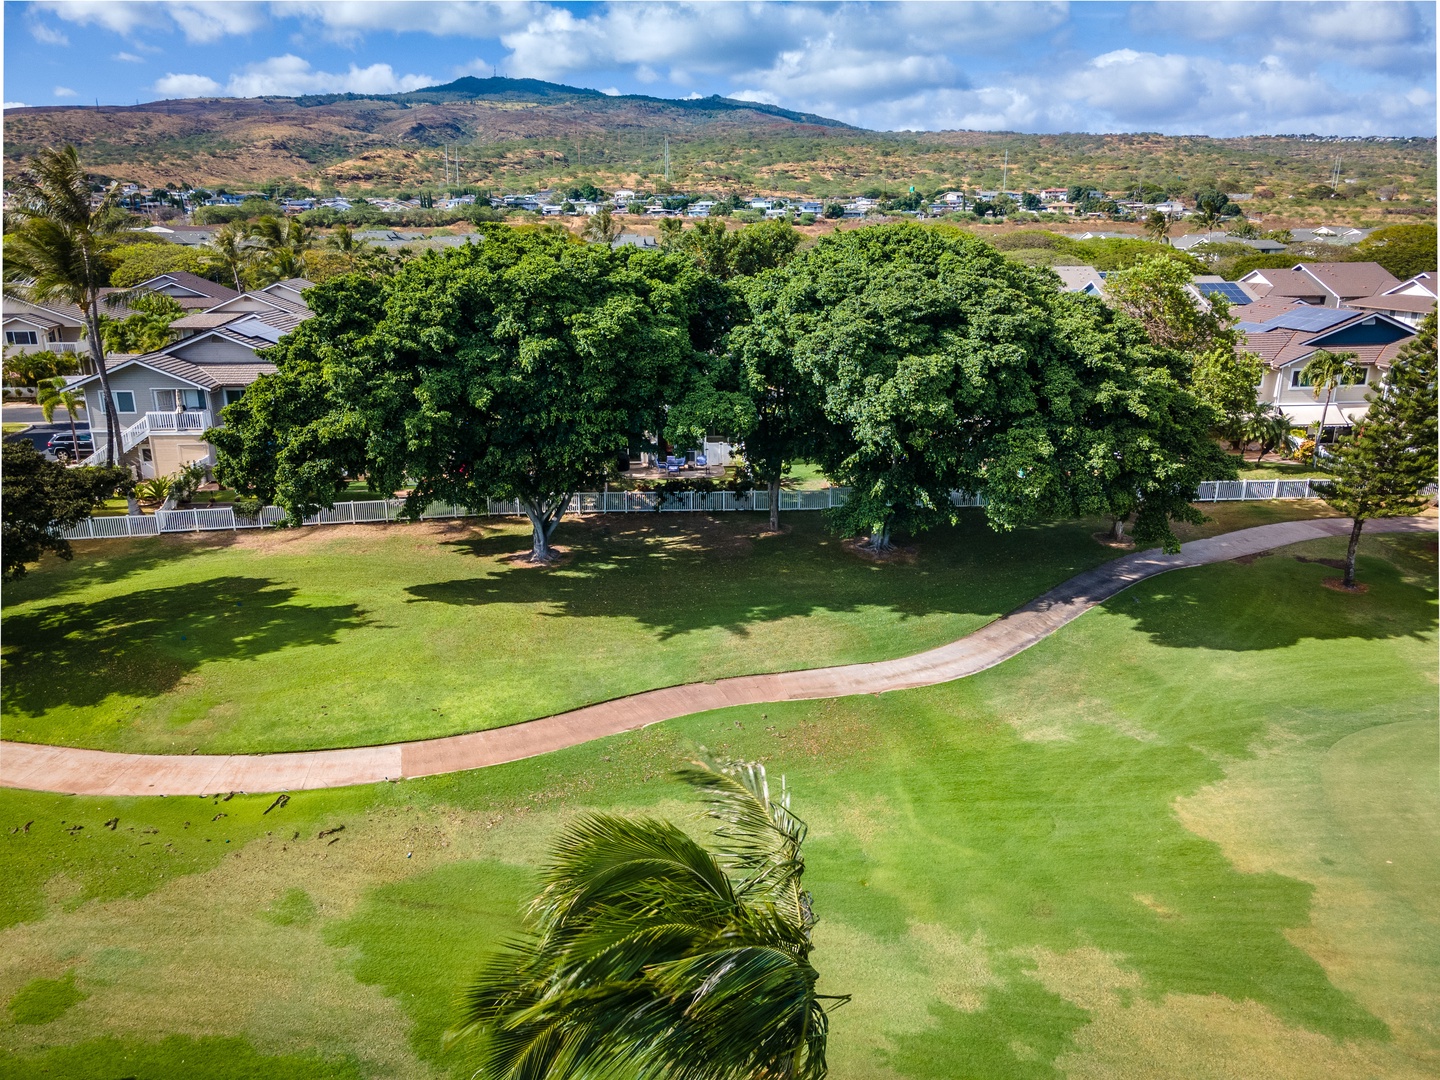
{"x":58,"y":246}
{"x":1155,"y":293}
{"x":1404,"y":250}
{"x":43,"y":499}
{"x":1381,"y":470}
{"x":942,"y":366}
{"x":1228,"y":382}
{"x":518,"y":368}
{"x":649,"y":955}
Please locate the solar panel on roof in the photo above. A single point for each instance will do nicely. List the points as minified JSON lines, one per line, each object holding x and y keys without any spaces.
{"x":1310,"y":318}
{"x":1227,"y":289}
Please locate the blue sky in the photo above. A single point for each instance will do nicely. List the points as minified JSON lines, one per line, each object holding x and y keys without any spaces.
{"x":1223,"y":68}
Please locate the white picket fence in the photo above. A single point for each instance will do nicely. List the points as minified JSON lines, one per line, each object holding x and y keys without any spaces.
{"x":369,"y":511}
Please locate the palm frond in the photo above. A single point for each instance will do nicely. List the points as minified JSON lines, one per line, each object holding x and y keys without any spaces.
{"x":646,"y":959}
{"x":762,"y":837}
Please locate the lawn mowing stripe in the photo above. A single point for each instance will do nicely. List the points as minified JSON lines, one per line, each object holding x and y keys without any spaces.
{"x":92,"y":772}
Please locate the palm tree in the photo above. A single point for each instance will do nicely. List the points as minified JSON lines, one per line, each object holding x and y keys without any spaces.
{"x":229,"y":251}
{"x":51,"y":395}
{"x":284,"y":242}
{"x":650,"y":956}
{"x":671,"y":230}
{"x":1157,"y":226}
{"x":56,"y":247}
{"x":602,"y":228}
{"x":1323,"y":373}
{"x":1269,"y":428}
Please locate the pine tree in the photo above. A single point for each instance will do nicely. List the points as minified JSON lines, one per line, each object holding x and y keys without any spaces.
{"x":1380,"y":471}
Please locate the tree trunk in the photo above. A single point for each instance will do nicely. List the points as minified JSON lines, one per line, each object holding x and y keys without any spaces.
{"x":74,"y":438}
{"x":1349,"y":580}
{"x":97,"y":354}
{"x":1117,"y":531}
{"x":544,"y":516}
{"x":880,"y":538}
{"x":1320,"y":431}
{"x":775,"y":505}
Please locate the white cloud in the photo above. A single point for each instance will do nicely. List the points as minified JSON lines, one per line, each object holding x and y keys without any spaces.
{"x":201,"y":22}
{"x":14,"y":105}
{"x":129,"y":58}
{"x":186,"y":86}
{"x":290,"y":76}
{"x":611,"y":91}
{"x":348,"y":20}
{"x":63,"y":91}
{"x":47,"y":35}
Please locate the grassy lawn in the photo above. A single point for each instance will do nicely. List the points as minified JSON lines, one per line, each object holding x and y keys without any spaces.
{"x":14,"y":429}
{"x":1273,"y":468}
{"x":364,"y":634}
{"x":1193,"y":834}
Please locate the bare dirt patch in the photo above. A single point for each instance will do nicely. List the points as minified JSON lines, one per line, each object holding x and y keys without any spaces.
{"x":1105,"y":539}
{"x":1248,"y":560}
{"x":521,"y":560}
{"x":1335,"y":584}
{"x":897,"y":553}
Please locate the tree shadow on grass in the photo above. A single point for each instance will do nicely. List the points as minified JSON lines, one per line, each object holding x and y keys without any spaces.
{"x":103,"y":562}
{"x":1275,"y":602}
{"x":675,"y":577}
{"x":143,"y":643}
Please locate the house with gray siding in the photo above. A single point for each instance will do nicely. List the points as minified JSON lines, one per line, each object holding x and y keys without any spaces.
{"x":166,"y":401}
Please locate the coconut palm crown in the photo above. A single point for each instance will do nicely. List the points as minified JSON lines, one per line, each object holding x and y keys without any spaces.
{"x":649,"y":956}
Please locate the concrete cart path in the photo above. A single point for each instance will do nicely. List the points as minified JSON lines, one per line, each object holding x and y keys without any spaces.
{"x":95,"y":772}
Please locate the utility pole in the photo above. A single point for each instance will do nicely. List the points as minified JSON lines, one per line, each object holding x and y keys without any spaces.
{"x":667,"y":158}
{"x":1004,"y":172}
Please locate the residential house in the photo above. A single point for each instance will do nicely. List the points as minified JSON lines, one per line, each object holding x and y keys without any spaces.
{"x":1190,"y":240}
{"x":1409,"y":302}
{"x":700,"y":209}
{"x":1323,"y":284}
{"x":1054,"y":194}
{"x":1286,"y":336}
{"x":190,"y":291}
{"x":49,"y":327}
{"x":1082,"y":279}
{"x":166,"y":400}
{"x":810,"y":206}
{"x":1330,"y":234}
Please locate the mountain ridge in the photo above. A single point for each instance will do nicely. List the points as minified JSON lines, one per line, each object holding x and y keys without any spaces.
{"x":521,"y":134}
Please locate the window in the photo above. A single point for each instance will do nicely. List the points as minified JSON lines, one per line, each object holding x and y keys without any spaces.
{"x":233,"y":394}
{"x":164,"y":400}
{"x":124,"y":401}
{"x":192,"y":400}
{"x":1298,"y":381}
{"x":21,"y":337}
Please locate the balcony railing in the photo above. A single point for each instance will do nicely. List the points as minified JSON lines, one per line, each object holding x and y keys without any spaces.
{"x":165,"y":423}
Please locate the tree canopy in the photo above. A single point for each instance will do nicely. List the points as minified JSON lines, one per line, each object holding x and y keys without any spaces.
{"x":44,"y":498}
{"x":518,"y":368}
{"x":943,"y":366}
{"x":1381,"y":470}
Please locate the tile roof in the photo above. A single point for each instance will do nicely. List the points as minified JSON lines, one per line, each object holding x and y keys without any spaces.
{"x":1278,"y":344}
{"x":1283,"y":283}
{"x":1348,"y":280}
{"x":1395,"y":302}
{"x":236,"y":374}
{"x":206,"y":320}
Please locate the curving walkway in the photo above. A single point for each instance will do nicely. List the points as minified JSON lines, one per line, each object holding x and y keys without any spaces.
{"x":94,"y":772}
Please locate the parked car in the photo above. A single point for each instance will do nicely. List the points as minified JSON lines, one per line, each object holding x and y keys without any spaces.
{"x":64,"y":445}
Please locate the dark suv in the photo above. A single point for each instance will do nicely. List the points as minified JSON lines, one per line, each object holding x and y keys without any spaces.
{"x":64,"y":445}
